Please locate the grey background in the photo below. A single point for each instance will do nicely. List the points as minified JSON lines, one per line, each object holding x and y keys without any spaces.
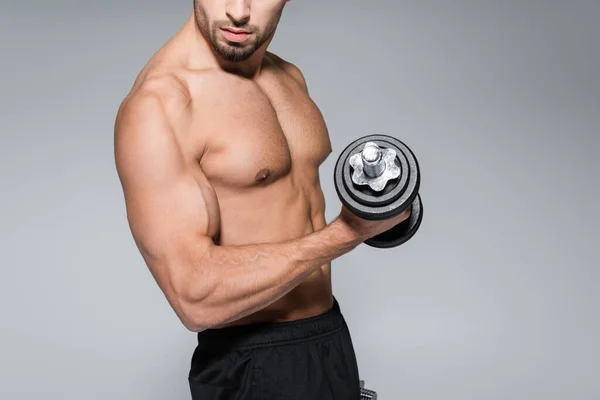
{"x":495,"y":298}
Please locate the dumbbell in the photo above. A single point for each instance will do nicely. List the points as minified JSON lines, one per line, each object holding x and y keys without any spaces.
{"x":377,"y":177}
{"x":366,"y":394}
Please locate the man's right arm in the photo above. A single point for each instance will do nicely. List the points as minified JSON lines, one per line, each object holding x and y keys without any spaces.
{"x":170,"y":211}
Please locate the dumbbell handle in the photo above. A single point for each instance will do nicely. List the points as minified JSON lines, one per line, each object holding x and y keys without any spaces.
{"x":372,"y":163}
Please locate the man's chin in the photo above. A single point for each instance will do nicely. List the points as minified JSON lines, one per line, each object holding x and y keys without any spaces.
{"x":235,"y":53}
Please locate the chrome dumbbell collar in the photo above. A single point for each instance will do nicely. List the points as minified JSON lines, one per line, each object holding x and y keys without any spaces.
{"x":374,"y":166}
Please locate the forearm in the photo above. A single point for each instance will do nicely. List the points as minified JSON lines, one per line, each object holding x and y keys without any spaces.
{"x":245,"y":279}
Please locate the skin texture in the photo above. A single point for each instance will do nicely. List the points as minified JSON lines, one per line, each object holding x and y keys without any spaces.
{"x":218,"y":147}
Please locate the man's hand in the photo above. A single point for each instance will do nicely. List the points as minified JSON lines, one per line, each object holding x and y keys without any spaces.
{"x":363,"y":229}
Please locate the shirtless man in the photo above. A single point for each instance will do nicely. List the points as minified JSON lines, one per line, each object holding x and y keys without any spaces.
{"x":218,"y":148}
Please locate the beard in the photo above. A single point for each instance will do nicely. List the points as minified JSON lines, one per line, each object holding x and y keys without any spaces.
{"x":230,"y":51}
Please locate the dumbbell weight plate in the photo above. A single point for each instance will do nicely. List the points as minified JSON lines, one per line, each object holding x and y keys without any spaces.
{"x":399,"y":193}
{"x":369,"y":198}
{"x":402,"y":232}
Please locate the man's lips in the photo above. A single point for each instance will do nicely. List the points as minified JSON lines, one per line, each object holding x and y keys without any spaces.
{"x":235,"y":35}
{"x":235,"y":30}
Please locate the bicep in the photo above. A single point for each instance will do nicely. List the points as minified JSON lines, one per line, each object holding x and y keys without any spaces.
{"x":167,"y":206}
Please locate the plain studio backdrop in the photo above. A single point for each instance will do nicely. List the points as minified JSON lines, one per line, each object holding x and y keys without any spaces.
{"x":496,"y":297}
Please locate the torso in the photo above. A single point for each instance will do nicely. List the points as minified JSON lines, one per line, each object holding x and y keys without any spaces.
{"x":259,"y":143}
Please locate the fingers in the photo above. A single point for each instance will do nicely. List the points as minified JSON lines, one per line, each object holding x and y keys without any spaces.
{"x":405,"y":214}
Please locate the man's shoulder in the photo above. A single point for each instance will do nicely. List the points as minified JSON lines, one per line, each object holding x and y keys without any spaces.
{"x":153,"y":96}
{"x":289,"y":67}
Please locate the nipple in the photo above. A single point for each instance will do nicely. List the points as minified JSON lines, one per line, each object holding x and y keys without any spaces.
{"x":262,"y":174}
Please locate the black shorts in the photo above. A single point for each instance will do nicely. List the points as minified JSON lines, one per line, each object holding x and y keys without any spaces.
{"x":306,"y":359}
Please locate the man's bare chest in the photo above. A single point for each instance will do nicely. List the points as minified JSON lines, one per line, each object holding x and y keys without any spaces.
{"x":257,"y":137}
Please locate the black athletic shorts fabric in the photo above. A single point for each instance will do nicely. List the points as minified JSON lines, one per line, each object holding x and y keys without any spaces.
{"x":307,"y":359}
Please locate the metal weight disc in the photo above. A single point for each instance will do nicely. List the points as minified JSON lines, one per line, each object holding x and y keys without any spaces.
{"x":402,"y":232}
{"x":398,"y":194}
{"x":355,"y":197}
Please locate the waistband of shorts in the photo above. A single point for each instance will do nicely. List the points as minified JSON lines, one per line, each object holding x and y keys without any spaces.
{"x":273,"y":333}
